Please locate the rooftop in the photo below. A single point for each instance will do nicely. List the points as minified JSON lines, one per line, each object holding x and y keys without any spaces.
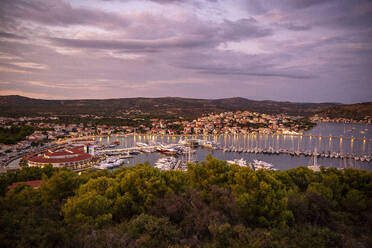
{"x":34,"y":184}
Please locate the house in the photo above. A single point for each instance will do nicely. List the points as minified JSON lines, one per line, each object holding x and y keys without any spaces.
{"x":35,"y":184}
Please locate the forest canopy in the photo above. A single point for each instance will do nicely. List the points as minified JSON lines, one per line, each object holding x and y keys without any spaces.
{"x":14,"y":134}
{"x":213,"y":204}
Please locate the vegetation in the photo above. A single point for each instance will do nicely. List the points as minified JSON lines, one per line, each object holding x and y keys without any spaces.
{"x":302,"y":124}
{"x":15,"y":134}
{"x":357,"y":112}
{"x":170,"y":106}
{"x":211,"y":205}
{"x":110,"y":121}
{"x":177,"y":128}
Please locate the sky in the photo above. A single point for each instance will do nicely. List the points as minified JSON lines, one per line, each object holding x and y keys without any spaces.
{"x":282,"y":50}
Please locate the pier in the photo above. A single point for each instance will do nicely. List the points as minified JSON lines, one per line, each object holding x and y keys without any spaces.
{"x":128,"y":149}
{"x":191,"y":136}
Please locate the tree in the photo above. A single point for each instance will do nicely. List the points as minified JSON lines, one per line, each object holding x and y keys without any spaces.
{"x":88,"y":208}
{"x":59,"y":187}
{"x":149,"y":231}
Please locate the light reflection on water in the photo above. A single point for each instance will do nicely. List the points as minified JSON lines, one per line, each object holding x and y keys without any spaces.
{"x":351,"y":139}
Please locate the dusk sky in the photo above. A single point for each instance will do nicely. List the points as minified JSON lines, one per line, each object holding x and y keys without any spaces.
{"x":289,"y":50}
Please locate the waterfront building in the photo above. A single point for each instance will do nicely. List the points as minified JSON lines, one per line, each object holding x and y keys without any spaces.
{"x":73,"y":157}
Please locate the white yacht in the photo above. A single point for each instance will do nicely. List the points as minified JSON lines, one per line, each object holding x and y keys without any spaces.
{"x":258,"y":164}
{"x":111,"y":163}
{"x":241,"y":162}
{"x":105,"y":166}
{"x":166,"y":163}
{"x":139,"y":144}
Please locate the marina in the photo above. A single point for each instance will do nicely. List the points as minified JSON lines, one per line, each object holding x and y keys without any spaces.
{"x":283,"y":151}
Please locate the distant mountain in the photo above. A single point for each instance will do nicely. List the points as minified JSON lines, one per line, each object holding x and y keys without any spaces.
{"x":352,"y":111}
{"x":175,"y":106}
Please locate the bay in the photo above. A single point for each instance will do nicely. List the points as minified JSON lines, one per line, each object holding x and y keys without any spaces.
{"x":355,"y":139}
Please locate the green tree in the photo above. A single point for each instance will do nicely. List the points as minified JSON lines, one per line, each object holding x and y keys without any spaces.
{"x":59,"y":187}
{"x":149,"y":231}
{"x":90,"y":208}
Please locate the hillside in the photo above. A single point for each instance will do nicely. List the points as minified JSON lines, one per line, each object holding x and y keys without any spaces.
{"x":351,"y":111}
{"x":187,"y":107}
{"x":212,"y":204}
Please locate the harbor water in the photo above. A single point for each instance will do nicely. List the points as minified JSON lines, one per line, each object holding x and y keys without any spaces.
{"x":347,"y":139}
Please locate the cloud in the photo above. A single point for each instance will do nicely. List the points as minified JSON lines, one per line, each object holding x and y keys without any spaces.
{"x":196,"y":81}
{"x":164,"y":2}
{"x":168,"y":1}
{"x":19,"y":68}
{"x":11,"y":36}
{"x":6,"y":69}
{"x":56,"y":13}
{"x":48,"y":85}
{"x":73,"y":86}
{"x":196,"y":34}
{"x":101,"y":49}
{"x":243,"y":29}
{"x":361,"y":20}
{"x":247,"y":72}
{"x":144,"y":45}
{"x":294,"y":26}
{"x":30,"y":65}
{"x":307,"y":3}
{"x":260,"y":7}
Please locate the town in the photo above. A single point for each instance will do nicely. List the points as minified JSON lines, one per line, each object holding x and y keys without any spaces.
{"x":22,"y":136}
{"x":37,"y":131}
{"x":365,"y":120}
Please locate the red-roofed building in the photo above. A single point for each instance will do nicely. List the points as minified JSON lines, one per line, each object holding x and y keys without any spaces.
{"x":35,"y":184}
{"x":73,"y":157}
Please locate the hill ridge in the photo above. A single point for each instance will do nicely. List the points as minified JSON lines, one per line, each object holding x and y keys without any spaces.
{"x":186,"y":107}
